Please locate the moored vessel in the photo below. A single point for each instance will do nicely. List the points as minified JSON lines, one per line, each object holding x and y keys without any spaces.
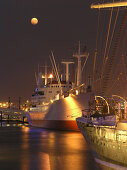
{"x":106,"y":134}
{"x":107,"y":137}
{"x":56,"y":104}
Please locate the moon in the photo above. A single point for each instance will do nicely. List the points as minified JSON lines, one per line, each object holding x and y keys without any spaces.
{"x":34,"y":21}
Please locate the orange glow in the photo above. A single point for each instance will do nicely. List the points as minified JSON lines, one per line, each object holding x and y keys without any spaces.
{"x":76,"y":92}
{"x":25,"y":128}
{"x":51,"y":101}
{"x":25,"y":161}
{"x":26,"y":109}
{"x":45,"y":161}
{"x":74,"y":108}
{"x":57,"y":97}
{"x":50,"y":76}
{"x":34,"y":21}
{"x":109,"y":5}
{"x":4,"y":105}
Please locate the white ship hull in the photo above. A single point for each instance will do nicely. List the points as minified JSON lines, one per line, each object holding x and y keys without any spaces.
{"x":61,"y":114}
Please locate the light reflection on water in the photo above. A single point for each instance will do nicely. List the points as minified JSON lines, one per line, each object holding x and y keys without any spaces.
{"x":28,"y":148}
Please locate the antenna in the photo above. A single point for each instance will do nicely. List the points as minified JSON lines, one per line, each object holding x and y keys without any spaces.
{"x":45,"y":74}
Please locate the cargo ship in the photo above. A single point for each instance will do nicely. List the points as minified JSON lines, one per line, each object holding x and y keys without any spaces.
{"x":57,"y":104}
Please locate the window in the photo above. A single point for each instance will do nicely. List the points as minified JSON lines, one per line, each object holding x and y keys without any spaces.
{"x":41,"y":92}
{"x":50,"y":91}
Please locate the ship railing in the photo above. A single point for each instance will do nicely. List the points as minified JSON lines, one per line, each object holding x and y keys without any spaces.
{"x":77,"y":90}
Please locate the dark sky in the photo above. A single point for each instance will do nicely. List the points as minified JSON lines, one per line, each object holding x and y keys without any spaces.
{"x":62,"y":23}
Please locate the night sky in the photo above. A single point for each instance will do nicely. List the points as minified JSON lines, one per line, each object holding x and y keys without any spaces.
{"x":23,"y":46}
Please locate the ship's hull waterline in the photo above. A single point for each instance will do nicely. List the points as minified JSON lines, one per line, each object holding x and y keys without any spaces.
{"x":61,"y":114}
{"x":69,"y":125}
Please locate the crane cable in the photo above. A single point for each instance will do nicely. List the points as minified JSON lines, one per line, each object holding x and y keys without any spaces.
{"x":104,"y":60}
{"x":123,"y":52}
{"x":95,"y":54}
{"x":111,"y":37}
{"x":113,"y":56}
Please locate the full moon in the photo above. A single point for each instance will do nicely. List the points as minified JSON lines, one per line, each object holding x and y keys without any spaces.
{"x":34,"y":21}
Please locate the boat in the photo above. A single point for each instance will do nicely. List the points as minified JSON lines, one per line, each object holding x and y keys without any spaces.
{"x":56,"y":104}
{"x":106,"y":134}
{"x":107,"y":141}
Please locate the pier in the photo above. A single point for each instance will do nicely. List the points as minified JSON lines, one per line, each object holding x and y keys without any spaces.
{"x":7,"y":114}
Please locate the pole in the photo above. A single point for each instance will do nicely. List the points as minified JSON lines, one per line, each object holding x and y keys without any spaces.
{"x":1,"y":117}
{"x":19,"y":102}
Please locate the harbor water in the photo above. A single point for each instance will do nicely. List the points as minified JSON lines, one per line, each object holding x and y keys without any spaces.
{"x":27,"y":148}
{"x":23,"y":147}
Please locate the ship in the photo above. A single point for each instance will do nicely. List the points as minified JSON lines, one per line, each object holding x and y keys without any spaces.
{"x":57,"y":104}
{"x":106,"y":133}
{"x":107,"y":137}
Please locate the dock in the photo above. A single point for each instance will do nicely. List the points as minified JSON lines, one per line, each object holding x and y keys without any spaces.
{"x":7,"y":114}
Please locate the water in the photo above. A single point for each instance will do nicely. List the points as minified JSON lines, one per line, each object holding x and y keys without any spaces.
{"x":28,"y":148}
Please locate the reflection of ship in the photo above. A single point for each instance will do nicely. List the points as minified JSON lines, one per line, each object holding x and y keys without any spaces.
{"x":108,"y":141}
{"x":57,"y":104}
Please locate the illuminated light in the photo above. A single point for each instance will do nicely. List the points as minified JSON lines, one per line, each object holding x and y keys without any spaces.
{"x":76,"y":92}
{"x":74,"y":110}
{"x":26,"y":109}
{"x":34,"y":21}
{"x":57,"y":97}
{"x":110,"y":5}
{"x":45,"y":104}
{"x":51,"y":101}
{"x":25,"y":128}
{"x":50,"y":76}
{"x":4,"y":104}
{"x":43,"y":76}
{"x":8,"y":125}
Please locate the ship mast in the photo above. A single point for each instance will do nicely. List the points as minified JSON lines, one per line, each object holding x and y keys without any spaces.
{"x":79,"y":71}
{"x":67,"y":69}
{"x":46,"y":75}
